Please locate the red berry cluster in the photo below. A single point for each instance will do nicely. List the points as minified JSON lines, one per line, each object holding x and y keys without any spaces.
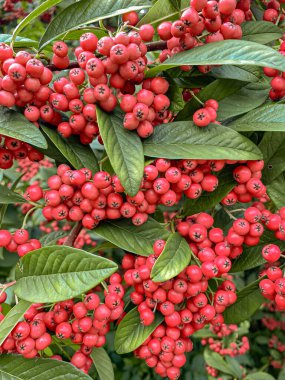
{"x":85,"y":322}
{"x":226,"y":342}
{"x":277,"y":83}
{"x":12,"y":149}
{"x":273,"y":287}
{"x":18,"y":242}
{"x":206,"y":115}
{"x":273,"y":13}
{"x":182,"y":301}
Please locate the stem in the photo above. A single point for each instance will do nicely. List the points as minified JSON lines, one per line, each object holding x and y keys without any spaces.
{"x":196,"y":98}
{"x":151,"y":46}
{"x":105,"y":286}
{"x":229,"y":213}
{"x":27,"y":215}
{"x":3,"y":287}
{"x":73,"y":235}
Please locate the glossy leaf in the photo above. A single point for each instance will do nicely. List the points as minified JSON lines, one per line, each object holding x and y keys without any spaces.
{"x":208,"y":200}
{"x":227,"y":52}
{"x":124,"y":149}
{"x":276,"y":191}
{"x":78,"y":155}
{"x":19,"y":41}
{"x":163,"y":10}
{"x":8,"y":196}
{"x":16,"y":367}
{"x":52,"y":238}
{"x":249,"y":300}
{"x":102,"y":363}
{"x":56,"y":273}
{"x":251,"y":256}
{"x":32,"y":15}
{"x":184,"y":139}
{"x":86,"y":12}
{"x":215,"y":360}
{"x":266,"y":118}
{"x":131,"y":238}
{"x":12,"y":318}
{"x":175,"y":257}
{"x":131,"y":333}
{"x":15,"y":125}
{"x":261,"y":32}
{"x":241,"y":73}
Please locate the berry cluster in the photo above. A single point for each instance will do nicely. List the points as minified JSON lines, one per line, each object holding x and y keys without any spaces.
{"x":18,"y":242}
{"x":85,"y":322}
{"x":206,"y":115}
{"x":273,"y":287}
{"x":277,"y":83}
{"x":273,"y":13}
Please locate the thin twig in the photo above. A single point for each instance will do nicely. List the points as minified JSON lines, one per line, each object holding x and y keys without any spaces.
{"x":73,"y":234}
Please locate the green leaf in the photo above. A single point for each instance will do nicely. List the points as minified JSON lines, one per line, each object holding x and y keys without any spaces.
{"x":19,"y":42}
{"x":175,"y":257}
{"x":215,"y":360}
{"x":243,"y":101}
{"x":249,"y":300}
{"x":261,"y":32}
{"x":228,"y":52}
{"x":242,"y":73}
{"x":131,"y":238}
{"x":16,"y":367}
{"x":78,"y":155}
{"x":8,"y":196}
{"x":219,"y":89}
{"x":131,"y":333}
{"x":124,"y":149}
{"x":175,"y":95}
{"x":251,"y":256}
{"x":15,"y":125}
{"x":52,"y":238}
{"x":266,"y":118}
{"x":12,"y":318}
{"x":32,"y":15}
{"x":86,"y":12}
{"x":102,"y":246}
{"x":273,"y":149}
{"x":183,"y":140}
{"x":276,"y":191}
{"x":57,"y":273}
{"x":102,"y":363}
{"x":208,"y":200}
{"x":259,"y":376}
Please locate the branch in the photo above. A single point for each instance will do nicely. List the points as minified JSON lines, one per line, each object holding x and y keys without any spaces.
{"x":151,"y":46}
{"x":73,"y":234}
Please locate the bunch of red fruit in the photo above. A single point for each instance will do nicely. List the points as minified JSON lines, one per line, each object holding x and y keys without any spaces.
{"x":277,"y":83}
{"x":85,"y":322}
{"x":19,"y":242}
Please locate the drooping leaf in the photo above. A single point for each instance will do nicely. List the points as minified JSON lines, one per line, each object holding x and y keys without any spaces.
{"x":261,"y":32}
{"x":32,"y":15}
{"x":102,"y":363}
{"x":272,"y":146}
{"x":208,"y":200}
{"x":266,"y":118}
{"x":251,"y":256}
{"x":246,"y":99}
{"x":86,"y":12}
{"x":215,"y":360}
{"x":15,"y":125}
{"x":8,"y":196}
{"x":185,"y":140}
{"x":136,"y":239}
{"x":219,"y":89}
{"x":276,"y":191}
{"x":249,"y":300}
{"x":52,"y":238}
{"x":124,"y":149}
{"x":12,"y":318}
{"x":131,"y":333}
{"x":78,"y":155}
{"x":16,"y":367}
{"x":228,"y":52}
{"x":174,"y":258}
{"x":56,"y":273}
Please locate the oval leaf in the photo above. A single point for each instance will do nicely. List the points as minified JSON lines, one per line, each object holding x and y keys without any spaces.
{"x":249,"y":300}
{"x":259,"y":376}
{"x":228,"y":52}
{"x":15,"y":125}
{"x":16,"y":367}
{"x":57,"y":273}
{"x":175,"y":256}
{"x":131,"y":333}
{"x":184,"y":140}
{"x":102,"y":364}
{"x":261,"y":32}
{"x":131,"y":238}
{"x":78,"y":155}
{"x":276,"y":191}
{"x":86,"y":12}
{"x":124,"y":149}
{"x":12,"y":318}
{"x":215,"y":360}
{"x":9,"y":196}
{"x":272,"y":146}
